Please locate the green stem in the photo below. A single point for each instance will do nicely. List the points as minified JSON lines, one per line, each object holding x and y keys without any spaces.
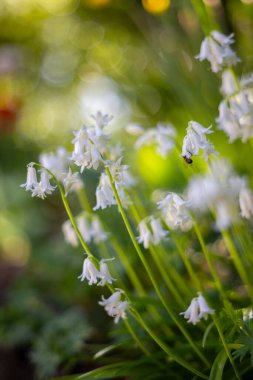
{"x":206,"y":17}
{"x":187,"y":263}
{"x":209,"y":261}
{"x":149,"y":272}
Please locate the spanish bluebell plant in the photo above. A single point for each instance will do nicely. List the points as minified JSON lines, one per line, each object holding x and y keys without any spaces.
{"x":149,"y":298}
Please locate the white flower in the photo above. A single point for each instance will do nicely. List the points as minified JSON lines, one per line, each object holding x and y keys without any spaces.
{"x":114,"y":306}
{"x":204,"y":309}
{"x":89,"y":144}
{"x":83,"y":225}
{"x":97,"y":232}
{"x":31,"y":181}
{"x":151,"y":231}
{"x":104,"y":273}
{"x":122,"y":179}
{"x":101,"y":120}
{"x":216,"y":49}
{"x":104,"y":193}
{"x":175,"y":212}
{"x":90,"y":272}
{"x":246,"y":202}
{"x":192,"y":313}
{"x":198,"y":309}
{"x":71,"y":181}
{"x":196,"y":140}
{"x":229,"y":83}
{"x":69,"y":233}
{"x":236,"y":111}
{"x":163,"y":137}
{"x":43,"y":188}
{"x":56,"y":162}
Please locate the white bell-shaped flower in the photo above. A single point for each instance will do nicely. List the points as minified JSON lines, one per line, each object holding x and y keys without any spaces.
{"x":192,"y":313}
{"x":89,"y":272}
{"x":69,"y":233}
{"x":104,"y":273}
{"x":31,"y":180}
{"x":204,"y":309}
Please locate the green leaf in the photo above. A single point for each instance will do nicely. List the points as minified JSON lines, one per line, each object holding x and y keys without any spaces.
{"x":218,"y":366}
{"x":207,"y":331}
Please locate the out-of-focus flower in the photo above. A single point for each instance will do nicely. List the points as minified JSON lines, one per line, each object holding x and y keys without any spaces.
{"x":217,"y":191}
{"x":151,"y":231}
{"x":56,"y":162}
{"x":114,"y":306}
{"x":71,"y":181}
{"x":246,"y":202}
{"x":163,"y":137}
{"x":101,"y":120}
{"x":175,"y":212}
{"x":216,"y":49}
{"x":195,"y":140}
{"x":198,"y":309}
{"x":69,"y":233}
{"x":236,"y":110}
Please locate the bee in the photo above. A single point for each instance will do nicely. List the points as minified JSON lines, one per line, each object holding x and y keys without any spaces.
{"x":188,"y":160}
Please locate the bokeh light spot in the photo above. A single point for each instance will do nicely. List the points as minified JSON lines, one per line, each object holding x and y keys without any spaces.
{"x":156,"y":6}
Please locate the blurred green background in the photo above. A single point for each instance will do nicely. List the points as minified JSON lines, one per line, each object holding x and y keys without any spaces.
{"x":60,"y":61}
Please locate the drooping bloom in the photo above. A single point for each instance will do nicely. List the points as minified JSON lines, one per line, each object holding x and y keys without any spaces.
{"x":175,"y":212}
{"x":43,"y":188}
{"x":101,"y":120}
{"x":114,"y":306}
{"x":31,"y":181}
{"x":104,"y":274}
{"x":163,"y":137}
{"x":151,"y":231}
{"x":195,"y":140}
{"x":216,"y":49}
{"x":198,"y":309}
{"x":39,"y":189}
{"x":89,"y":272}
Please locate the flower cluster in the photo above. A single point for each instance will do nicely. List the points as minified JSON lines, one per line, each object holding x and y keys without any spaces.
{"x":198,"y":309}
{"x":195,"y":140}
{"x":39,"y":189}
{"x":92,"y":274}
{"x":89,"y":143}
{"x":216,"y":49}
{"x":58,"y":164}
